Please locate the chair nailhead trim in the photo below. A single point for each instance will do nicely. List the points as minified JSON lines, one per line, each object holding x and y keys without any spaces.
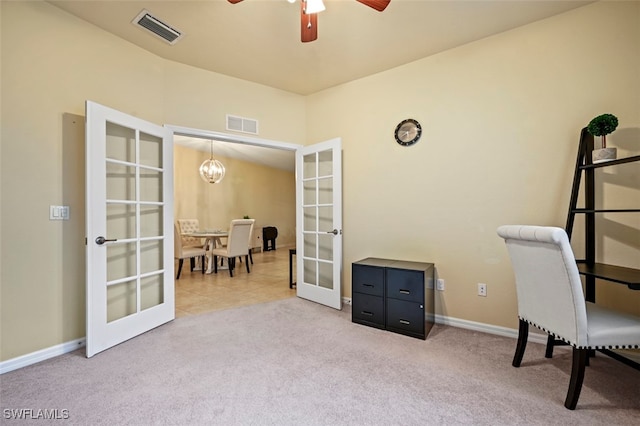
{"x":580,"y":347}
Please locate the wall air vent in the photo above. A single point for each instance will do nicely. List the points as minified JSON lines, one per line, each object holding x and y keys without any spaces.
{"x":157,"y":27}
{"x":241,"y":124}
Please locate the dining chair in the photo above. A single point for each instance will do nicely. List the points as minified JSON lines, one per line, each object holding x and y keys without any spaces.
{"x":181,"y":252}
{"x":237,"y":245}
{"x":550,"y":297}
{"x":188,"y":226}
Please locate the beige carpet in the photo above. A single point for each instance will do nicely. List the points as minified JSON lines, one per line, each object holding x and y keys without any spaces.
{"x":293,"y":362}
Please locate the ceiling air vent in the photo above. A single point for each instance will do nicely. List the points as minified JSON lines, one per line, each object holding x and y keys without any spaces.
{"x":241,"y":124}
{"x":157,"y":27}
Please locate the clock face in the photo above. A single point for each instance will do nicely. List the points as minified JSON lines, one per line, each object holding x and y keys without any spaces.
{"x":408,"y":132}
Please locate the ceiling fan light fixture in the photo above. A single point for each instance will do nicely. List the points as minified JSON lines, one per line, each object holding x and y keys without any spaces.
{"x":313,"y":6}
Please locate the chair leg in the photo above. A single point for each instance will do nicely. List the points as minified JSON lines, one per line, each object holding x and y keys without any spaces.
{"x":251,"y":256}
{"x":179,"y":268}
{"x":246,"y":261}
{"x":550,"y":344}
{"x":202,"y":260}
{"x":192,"y":263}
{"x":215,"y":264}
{"x":577,"y":376}
{"x":232,"y":263}
{"x":523,"y":334}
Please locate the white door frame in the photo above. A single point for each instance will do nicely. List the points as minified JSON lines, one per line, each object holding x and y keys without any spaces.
{"x":227,"y":137}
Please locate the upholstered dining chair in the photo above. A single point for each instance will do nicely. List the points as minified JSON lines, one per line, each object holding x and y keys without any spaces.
{"x":237,"y":245}
{"x":181,"y":252}
{"x":188,"y":226}
{"x":551,"y":298}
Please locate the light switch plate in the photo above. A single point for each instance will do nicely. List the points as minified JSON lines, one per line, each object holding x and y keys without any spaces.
{"x":58,"y":212}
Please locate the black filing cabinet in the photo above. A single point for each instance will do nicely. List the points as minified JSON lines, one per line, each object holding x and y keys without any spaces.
{"x":394,"y":295}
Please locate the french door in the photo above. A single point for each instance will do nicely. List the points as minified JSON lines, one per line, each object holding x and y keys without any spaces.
{"x":129,"y":224}
{"x":319,"y":223}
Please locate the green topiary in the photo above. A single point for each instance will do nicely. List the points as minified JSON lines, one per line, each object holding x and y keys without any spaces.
{"x":602,"y":125}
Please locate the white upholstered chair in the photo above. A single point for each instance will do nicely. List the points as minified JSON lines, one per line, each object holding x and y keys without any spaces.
{"x":550,"y":297}
{"x":181,"y":252}
{"x":237,"y":244}
{"x":187,"y":226}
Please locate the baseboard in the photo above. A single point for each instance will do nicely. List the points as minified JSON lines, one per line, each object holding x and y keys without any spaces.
{"x":41,"y":355}
{"x":488,"y":328}
{"x":63,"y":348}
{"x":479,"y":326}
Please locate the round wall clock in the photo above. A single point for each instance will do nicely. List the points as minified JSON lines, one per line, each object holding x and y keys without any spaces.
{"x":408,"y":132}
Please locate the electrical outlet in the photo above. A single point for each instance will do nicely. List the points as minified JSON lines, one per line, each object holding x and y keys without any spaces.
{"x":482,"y":290}
{"x":440,"y":284}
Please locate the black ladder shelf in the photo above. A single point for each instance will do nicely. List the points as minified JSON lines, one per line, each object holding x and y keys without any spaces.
{"x":588,"y":266}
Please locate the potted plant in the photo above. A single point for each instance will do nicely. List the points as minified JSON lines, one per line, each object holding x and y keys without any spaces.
{"x":602,"y":125}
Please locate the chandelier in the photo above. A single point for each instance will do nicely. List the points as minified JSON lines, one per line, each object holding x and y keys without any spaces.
{"x":211,"y":170}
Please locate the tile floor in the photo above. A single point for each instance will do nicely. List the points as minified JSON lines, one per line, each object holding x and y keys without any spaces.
{"x":269,"y":280}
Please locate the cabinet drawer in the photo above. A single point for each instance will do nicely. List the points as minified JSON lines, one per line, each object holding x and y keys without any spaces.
{"x":405,"y":285}
{"x":368,"y":309}
{"x":368,"y":280}
{"x":405,"y":317}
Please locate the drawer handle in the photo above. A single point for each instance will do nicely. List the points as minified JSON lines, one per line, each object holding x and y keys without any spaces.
{"x":367,"y":313}
{"x":405,"y":291}
{"x":367,"y":285}
{"x":405,"y":322}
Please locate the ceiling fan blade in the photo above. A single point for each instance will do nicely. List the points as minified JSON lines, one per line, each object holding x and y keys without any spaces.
{"x":308,"y":25}
{"x":234,"y":1}
{"x":378,"y":5}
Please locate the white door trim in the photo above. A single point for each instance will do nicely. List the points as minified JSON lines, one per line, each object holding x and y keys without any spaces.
{"x":228,"y":137}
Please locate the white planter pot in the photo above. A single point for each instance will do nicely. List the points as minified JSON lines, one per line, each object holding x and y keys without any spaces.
{"x":604,"y":154}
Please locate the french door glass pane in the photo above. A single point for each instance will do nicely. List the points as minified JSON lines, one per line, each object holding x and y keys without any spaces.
{"x":150,"y":256}
{"x":150,"y":185}
{"x":121,"y":143}
{"x":121,"y":221}
{"x":310,"y":245}
{"x":325,"y":163}
{"x":310,"y":271}
{"x":325,"y":249}
{"x":151,"y":217}
{"x":325,"y":276}
{"x":325,"y":219}
{"x":309,"y":196}
{"x":121,"y":182}
{"x":309,"y":219}
{"x":121,"y":260}
{"x":150,"y":150}
{"x":151,"y":292}
{"x":121,"y":300}
{"x":309,"y":166}
{"x":325,"y":191}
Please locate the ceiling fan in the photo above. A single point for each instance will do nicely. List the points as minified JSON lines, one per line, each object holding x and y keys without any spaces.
{"x":309,"y":15}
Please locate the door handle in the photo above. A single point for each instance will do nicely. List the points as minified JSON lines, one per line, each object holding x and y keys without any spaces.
{"x":101,"y":240}
{"x":334,"y":232}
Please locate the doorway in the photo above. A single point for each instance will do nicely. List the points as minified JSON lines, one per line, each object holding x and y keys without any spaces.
{"x":256,"y":174}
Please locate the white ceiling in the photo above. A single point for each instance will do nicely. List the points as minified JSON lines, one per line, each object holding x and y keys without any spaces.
{"x":259,"y":40}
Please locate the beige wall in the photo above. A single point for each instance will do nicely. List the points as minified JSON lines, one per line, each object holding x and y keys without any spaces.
{"x":265,"y":194}
{"x":501,"y":119}
{"x":49,"y":68}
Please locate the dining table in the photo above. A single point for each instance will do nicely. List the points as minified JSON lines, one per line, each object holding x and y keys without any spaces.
{"x":213,"y":239}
